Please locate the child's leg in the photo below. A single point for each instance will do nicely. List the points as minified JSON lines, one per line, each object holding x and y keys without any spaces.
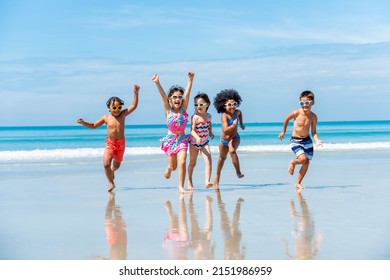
{"x":172,"y":165}
{"x":115,"y":166}
{"x":223,"y":151}
{"x":181,"y":158}
{"x":206,"y":154}
{"x":107,"y":159}
{"x":302,"y":172}
{"x":193,"y":157}
{"x":235,"y":142}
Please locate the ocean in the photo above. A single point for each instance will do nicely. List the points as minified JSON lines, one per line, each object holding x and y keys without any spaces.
{"x":53,"y":143}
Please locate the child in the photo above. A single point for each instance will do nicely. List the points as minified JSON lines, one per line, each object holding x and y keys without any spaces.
{"x":175,"y":144}
{"x":226,"y":102}
{"x":115,"y":141}
{"x":201,"y":129}
{"x":301,"y":143}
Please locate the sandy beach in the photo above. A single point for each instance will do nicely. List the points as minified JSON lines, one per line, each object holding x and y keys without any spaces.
{"x":62,"y":211}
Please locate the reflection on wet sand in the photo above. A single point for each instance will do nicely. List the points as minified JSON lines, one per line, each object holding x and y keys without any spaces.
{"x":305,"y":244}
{"x":182,"y":243}
{"x":115,"y":228}
{"x":231,"y":231}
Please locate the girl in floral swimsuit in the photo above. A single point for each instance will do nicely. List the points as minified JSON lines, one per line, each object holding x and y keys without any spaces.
{"x":201,"y":129}
{"x":175,"y":143}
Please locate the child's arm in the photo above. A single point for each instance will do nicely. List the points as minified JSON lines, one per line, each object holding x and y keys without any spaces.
{"x":96,"y":124}
{"x":314,"y":130}
{"x":164,"y":98}
{"x":289,"y":117}
{"x":225,"y":125}
{"x":186,"y":96}
{"x":134,"y":105}
{"x":211,"y":134}
{"x":240,"y":119}
{"x":193,"y":133}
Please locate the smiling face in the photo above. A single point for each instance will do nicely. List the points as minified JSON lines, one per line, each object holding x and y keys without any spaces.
{"x":176,"y":99}
{"x":230,"y":106}
{"x":306,"y":103}
{"x":115,"y":108}
{"x":201,"y":105}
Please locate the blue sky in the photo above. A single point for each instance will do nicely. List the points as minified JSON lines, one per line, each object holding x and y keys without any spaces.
{"x":61,"y":60}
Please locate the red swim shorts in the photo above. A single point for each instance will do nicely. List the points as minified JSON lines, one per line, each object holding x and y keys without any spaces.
{"x":115,"y":148}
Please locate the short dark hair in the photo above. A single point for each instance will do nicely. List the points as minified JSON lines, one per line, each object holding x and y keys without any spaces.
{"x":204,"y":96}
{"x":114,"y":99}
{"x":308,"y":94}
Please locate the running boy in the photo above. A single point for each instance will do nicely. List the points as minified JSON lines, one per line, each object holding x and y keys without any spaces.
{"x":115,"y":141}
{"x":301,"y":143}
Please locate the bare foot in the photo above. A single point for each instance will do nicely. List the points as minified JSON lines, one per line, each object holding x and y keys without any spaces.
{"x":299,"y":187}
{"x":182,"y":190}
{"x":209,"y":185}
{"x":190,"y":186}
{"x":216,"y":185}
{"x":111,"y":187}
{"x":291,"y":168}
{"x":240,"y":175}
{"x":167,"y":173}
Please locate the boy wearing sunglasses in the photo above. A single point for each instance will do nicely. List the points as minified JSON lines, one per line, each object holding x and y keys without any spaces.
{"x":115,"y":141}
{"x":301,"y":143}
{"x":226,"y":103}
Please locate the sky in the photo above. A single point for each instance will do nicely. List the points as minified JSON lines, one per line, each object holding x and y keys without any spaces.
{"x":61,"y":60}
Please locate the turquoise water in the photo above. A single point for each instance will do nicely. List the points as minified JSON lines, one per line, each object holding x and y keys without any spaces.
{"x":56,"y":142}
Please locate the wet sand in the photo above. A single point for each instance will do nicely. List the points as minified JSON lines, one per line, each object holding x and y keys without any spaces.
{"x":62,"y":211}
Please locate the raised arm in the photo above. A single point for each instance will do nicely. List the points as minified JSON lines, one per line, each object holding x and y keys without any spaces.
{"x":164,"y":98}
{"x":186,"y":96}
{"x":134,"y":105}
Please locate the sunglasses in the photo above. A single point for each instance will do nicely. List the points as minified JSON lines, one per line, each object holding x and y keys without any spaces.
{"x":306,"y":103}
{"x":234,"y":104}
{"x":200,"y":104}
{"x":180,"y":97}
{"x":119,"y":107}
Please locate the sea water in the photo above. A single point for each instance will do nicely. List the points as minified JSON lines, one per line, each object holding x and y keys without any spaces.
{"x":46,"y":143}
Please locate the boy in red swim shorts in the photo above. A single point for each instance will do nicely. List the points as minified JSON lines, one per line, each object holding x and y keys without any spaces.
{"x":115,"y":142}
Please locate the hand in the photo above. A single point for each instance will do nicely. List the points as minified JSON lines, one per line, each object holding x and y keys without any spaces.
{"x":211,"y":135}
{"x":197,"y":140}
{"x":242,"y":126}
{"x":155,"y":78}
{"x":80,"y":121}
{"x":136,"y":89}
{"x":281,"y":136}
{"x":191,"y":75}
{"x":319,"y":143}
{"x":235,"y":122}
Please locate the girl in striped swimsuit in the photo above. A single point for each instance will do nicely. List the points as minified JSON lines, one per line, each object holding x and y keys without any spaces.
{"x":201,"y":130}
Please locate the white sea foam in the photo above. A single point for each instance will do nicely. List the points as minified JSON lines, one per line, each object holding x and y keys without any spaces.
{"x":59,"y":154}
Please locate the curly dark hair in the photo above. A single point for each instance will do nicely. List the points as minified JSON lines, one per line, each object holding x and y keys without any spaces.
{"x":205,"y":97}
{"x":114,"y":99}
{"x":225,"y":95}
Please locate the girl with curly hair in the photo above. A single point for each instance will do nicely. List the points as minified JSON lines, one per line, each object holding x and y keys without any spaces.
{"x":226,"y":103}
